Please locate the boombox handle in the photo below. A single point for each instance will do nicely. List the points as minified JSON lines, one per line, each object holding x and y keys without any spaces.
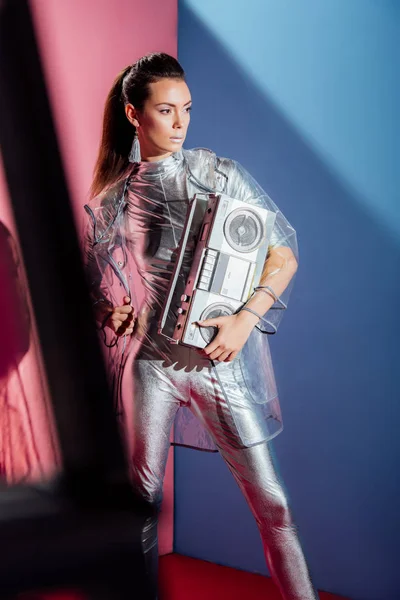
{"x":175,"y":274}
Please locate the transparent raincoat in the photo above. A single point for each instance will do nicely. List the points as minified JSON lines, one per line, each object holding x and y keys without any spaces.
{"x":132,"y":235}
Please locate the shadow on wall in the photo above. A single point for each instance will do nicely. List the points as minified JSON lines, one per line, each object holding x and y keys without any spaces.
{"x":334,"y":354}
{"x":15,"y":449}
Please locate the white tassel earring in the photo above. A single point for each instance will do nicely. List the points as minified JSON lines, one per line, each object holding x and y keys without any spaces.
{"x":134,"y":155}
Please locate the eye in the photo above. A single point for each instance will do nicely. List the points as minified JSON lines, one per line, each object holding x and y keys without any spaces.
{"x":189,"y":108}
{"x":165,"y":111}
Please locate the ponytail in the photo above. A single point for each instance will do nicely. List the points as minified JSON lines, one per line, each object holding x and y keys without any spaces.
{"x":112,"y":160}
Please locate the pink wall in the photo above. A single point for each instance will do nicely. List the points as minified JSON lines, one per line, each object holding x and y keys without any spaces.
{"x":83,"y":46}
{"x":28,"y":445}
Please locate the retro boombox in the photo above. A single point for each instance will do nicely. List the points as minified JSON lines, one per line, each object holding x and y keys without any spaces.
{"x":228,"y":261}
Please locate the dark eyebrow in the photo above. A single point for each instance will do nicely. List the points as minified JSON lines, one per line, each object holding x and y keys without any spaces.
{"x":173,"y":105}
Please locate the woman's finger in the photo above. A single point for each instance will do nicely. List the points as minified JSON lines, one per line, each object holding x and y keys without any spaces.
{"x":124,"y":310}
{"x":215,"y":354}
{"x":120,"y":325}
{"x":212,"y":346}
{"x":224,"y":355}
{"x":121,"y":330}
{"x":231,"y":356}
{"x":124,"y":317}
{"x":127,"y":328}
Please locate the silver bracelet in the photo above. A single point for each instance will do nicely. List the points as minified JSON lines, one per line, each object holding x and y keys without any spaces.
{"x":268,"y":290}
{"x":251,"y":311}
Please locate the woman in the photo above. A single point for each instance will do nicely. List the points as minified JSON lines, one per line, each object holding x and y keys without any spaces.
{"x":224,"y":396}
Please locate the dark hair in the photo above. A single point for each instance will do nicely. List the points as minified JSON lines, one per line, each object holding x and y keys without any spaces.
{"x":130,"y":86}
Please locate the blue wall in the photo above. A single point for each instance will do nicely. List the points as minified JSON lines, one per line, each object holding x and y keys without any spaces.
{"x":305,"y":97}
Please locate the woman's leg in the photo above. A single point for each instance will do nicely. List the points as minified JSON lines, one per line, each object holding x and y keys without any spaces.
{"x":255,"y":474}
{"x":155,"y":407}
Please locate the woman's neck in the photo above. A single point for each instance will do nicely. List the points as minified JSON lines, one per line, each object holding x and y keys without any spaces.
{"x":155,"y":158}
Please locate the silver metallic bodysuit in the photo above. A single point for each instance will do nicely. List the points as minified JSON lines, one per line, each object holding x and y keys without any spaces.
{"x":168,"y":379}
{"x":155,"y":226}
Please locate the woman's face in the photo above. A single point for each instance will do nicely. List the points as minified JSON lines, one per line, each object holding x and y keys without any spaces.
{"x":164,"y":120}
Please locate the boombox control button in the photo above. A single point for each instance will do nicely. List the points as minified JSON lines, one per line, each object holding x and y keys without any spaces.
{"x":210,"y":252}
{"x":205,"y":276}
{"x":185,"y":298}
{"x":181,"y":311}
{"x":204,"y":283}
{"x":208,"y":269}
{"x":203,"y":286}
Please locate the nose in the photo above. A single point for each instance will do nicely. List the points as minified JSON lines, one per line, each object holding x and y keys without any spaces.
{"x":178,"y":122}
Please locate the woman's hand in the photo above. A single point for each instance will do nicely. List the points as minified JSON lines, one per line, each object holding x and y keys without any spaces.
{"x":122,"y":318}
{"x":233,"y":332}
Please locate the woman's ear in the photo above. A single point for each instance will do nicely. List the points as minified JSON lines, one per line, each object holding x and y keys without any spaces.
{"x":131,"y":114}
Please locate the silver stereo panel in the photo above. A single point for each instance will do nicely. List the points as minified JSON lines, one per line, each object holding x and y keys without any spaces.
{"x":231,"y":249}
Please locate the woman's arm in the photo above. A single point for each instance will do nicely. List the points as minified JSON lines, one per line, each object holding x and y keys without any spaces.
{"x":279,"y":268}
{"x":119,"y":319}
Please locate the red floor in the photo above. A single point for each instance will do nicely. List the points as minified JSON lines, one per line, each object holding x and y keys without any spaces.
{"x":184,"y":578}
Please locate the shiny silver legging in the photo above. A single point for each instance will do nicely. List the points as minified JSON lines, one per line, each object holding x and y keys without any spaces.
{"x":159,"y":391}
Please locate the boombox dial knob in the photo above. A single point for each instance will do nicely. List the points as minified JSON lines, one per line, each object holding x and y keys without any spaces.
{"x":184,"y":298}
{"x":181,"y":311}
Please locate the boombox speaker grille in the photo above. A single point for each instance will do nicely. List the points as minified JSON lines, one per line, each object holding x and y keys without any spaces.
{"x":244,"y":230}
{"x":218,"y":309}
